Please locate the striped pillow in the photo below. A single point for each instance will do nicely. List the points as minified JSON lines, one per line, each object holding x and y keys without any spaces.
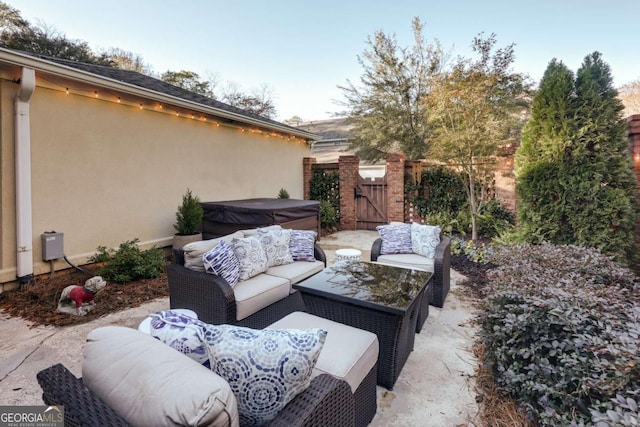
{"x":222,"y":261}
{"x":301,"y":245}
{"x":396,"y":239}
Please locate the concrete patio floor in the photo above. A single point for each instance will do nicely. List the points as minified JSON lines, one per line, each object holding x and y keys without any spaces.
{"x":435,"y":387}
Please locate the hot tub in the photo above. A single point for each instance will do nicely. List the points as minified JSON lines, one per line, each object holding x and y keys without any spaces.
{"x":225,"y":217}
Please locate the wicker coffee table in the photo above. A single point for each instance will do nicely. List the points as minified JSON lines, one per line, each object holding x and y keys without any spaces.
{"x":383,"y":299}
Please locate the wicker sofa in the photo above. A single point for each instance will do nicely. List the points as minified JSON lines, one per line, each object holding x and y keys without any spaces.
{"x":327,"y":401}
{"x":131,"y":377}
{"x":255,"y":303}
{"x":439,"y":265}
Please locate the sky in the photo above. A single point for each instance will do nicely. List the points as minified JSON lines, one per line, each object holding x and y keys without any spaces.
{"x":303,"y":50}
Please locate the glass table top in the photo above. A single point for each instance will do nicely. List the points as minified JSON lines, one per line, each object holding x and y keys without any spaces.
{"x":371,"y":283}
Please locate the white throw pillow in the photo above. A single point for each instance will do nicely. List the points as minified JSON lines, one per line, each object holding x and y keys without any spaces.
{"x":193,"y":251}
{"x":264,"y":368}
{"x":276,"y":246}
{"x":251,"y":256}
{"x":424,"y":239}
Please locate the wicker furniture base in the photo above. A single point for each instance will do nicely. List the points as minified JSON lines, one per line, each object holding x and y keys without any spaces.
{"x":395,"y":333}
{"x":327,"y":402}
{"x":423,"y":313}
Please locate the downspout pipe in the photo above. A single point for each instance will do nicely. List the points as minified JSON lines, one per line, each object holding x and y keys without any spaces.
{"x":24,"y":233}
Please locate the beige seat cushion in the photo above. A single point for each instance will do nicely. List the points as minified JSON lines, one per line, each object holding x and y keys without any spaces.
{"x":413,"y":261}
{"x":258,"y":292}
{"x":194,"y":251}
{"x":348,"y":354}
{"x":149,"y":383}
{"x":296,"y":271}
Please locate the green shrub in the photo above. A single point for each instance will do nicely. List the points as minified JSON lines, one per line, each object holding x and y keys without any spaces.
{"x":562,"y":332}
{"x":325,"y":186}
{"x":440,"y":190}
{"x":328,"y":216}
{"x":129,"y":263}
{"x":476,"y":252}
{"x":494,"y":219}
{"x":188,"y":215}
{"x":283,"y":194}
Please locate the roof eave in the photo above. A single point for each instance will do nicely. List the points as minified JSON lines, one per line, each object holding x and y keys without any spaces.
{"x":59,"y":70}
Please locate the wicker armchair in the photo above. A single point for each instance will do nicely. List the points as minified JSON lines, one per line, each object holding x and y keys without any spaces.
{"x":213,"y":300}
{"x":327,"y":402}
{"x":441,"y":270}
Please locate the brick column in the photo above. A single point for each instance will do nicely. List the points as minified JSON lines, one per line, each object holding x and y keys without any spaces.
{"x":307,"y":174}
{"x":413,"y":175}
{"x":395,"y":187}
{"x":348,"y":171}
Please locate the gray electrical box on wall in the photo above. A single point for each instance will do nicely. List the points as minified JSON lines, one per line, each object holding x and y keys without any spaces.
{"x":52,"y":246}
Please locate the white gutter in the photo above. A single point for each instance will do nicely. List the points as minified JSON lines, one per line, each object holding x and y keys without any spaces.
{"x":24,"y":236}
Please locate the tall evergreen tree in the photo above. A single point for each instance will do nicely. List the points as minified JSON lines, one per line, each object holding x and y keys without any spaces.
{"x":574,"y":170}
{"x":552,"y":114}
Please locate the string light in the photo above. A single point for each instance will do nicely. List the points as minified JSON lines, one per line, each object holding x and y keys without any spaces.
{"x":160,"y":106}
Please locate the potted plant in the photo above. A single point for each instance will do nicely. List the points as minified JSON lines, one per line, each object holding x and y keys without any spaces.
{"x":188,"y":220}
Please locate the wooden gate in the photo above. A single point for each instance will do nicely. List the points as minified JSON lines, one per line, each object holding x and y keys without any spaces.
{"x":371,"y":202}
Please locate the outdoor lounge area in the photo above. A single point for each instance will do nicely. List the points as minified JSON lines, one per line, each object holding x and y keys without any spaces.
{"x":412,"y":396}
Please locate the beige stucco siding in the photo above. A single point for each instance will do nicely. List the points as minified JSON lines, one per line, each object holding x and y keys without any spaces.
{"x":103,"y":172}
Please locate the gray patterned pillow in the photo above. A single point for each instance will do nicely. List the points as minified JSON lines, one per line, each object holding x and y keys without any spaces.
{"x":396,"y":239}
{"x":425,"y":239}
{"x":276,"y":246}
{"x":302,"y":244}
{"x":265,"y":368}
{"x":222,"y":261}
{"x":251,"y":256}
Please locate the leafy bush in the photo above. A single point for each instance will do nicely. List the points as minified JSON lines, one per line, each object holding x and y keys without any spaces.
{"x":328,"y":216}
{"x":562,"y":332}
{"x":283,"y":194}
{"x":440,"y":190}
{"x":476,"y":252}
{"x":325,"y":186}
{"x":494,"y":219}
{"x":189,"y":215}
{"x":129,"y":263}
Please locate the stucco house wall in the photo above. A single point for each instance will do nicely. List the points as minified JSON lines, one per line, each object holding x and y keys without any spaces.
{"x":104,"y":170}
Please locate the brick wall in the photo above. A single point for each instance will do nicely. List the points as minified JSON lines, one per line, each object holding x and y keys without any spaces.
{"x":504,"y":179}
{"x":348,"y":167}
{"x":395,"y":187}
{"x":307,"y":174}
{"x":634,"y":148}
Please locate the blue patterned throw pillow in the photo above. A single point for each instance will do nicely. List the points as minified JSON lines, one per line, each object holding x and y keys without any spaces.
{"x":301,"y":245}
{"x":182,"y":333}
{"x":222,"y":261}
{"x":251,"y":257}
{"x":396,"y":239}
{"x":275,"y":243}
{"x":425,"y":239}
{"x":265,"y":368}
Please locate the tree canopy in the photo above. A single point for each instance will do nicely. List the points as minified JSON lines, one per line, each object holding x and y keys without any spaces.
{"x":575,"y":180}
{"x":387,"y":108}
{"x":473,"y":110}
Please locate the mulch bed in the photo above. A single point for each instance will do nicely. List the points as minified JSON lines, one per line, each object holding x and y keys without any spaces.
{"x":38,"y":300}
